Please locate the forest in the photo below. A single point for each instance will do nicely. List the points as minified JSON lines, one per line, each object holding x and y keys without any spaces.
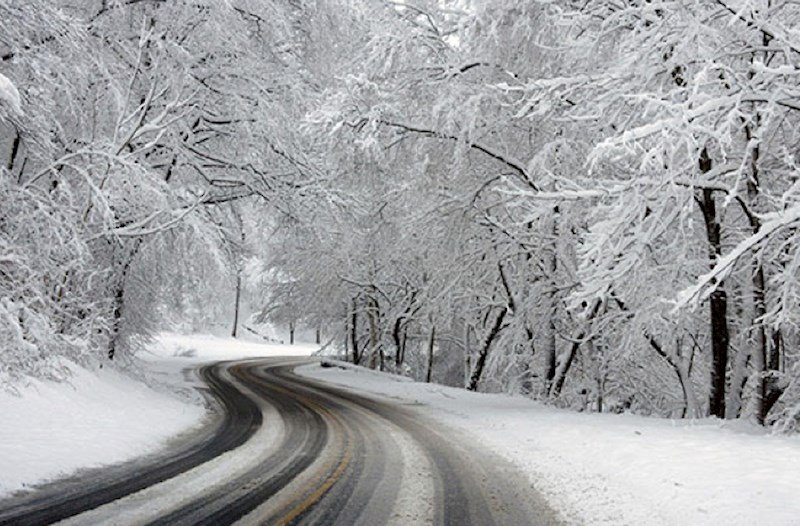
{"x":593,"y":203}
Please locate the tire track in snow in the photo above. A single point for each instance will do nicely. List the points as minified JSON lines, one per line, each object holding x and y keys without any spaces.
{"x":291,"y":450}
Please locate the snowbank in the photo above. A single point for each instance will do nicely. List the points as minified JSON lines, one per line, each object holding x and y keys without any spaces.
{"x":99,"y":417}
{"x":616,"y":469}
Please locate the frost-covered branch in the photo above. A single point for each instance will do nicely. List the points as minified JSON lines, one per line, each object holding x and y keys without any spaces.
{"x":707,"y":283}
{"x":508,"y":160}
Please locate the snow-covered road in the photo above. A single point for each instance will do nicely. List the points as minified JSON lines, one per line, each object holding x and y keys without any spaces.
{"x":290,"y":450}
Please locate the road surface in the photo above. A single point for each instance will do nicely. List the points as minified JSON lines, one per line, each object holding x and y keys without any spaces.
{"x":289,"y":450}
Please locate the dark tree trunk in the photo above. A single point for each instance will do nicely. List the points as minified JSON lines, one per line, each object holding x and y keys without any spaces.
{"x":354,"y":333}
{"x":14,"y":150}
{"x":566,"y":362}
{"x":760,"y":352}
{"x":346,"y":334}
{"x":376,"y":358}
{"x":119,"y":304}
{"x":399,"y":351}
{"x":400,"y":329}
{"x":291,"y":333}
{"x":558,"y":382}
{"x":549,"y":348}
{"x":773,"y":391}
{"x":483,"y":352}
{"x":776,"y":350}
{"x":718,"y":302}
{"x":235,"y":329}
{"x":675,"y":367}
{"x":119,"y":300}
{"x":431,"y":342}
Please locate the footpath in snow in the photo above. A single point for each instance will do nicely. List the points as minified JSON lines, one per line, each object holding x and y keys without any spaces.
{"x":614,"y":469}
{"x":100,"y":417}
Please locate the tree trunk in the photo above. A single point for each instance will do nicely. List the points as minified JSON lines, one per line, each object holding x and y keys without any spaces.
{"x":467,"y":353}
{"x":235,"y":328}
{"x":683,"y":375}
{"x":346,"y":333}
{"x":549,"y":352}
{"x":760,"y":351}
{"x":119,"y":304}
{"x":566,"y":362}
{"x":693,"y":409}
{"x":564,"y":367}
{"x":483,"y":352}
{"x":773,"y":391}
{"x":738,"y":377}
{"x":399,"y":351}
{"x":354,"y":333}
{"x":526,"y":384}
{"x":119,"y":300}
{"x":14,"y":150}
{"x":759,"y":288}
{"x":718,"y":302}
{"x":375,"y":353}
{"x":549,"y":348}
{"x":431,"y":342}
{"x":766,"y":356}
{"x":346,"y":338}
{"x":404,"y":344}
{"x":291,"y":333}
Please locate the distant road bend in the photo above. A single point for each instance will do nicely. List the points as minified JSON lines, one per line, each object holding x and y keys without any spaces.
{"x":289,"y":450}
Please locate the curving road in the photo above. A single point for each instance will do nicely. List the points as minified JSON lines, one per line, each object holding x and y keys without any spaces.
{"x":289,"y":450}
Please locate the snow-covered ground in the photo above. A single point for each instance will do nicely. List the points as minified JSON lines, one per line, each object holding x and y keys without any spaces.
{"x":98,"y":417}
{"x":616,"y":469}
{"x":594,"y":469}
{"x":102,"y":416}
{"x":199,"y":348}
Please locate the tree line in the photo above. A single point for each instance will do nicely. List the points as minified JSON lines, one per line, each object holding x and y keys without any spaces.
{"x":594,"y":204}
{"x":591,"y":203}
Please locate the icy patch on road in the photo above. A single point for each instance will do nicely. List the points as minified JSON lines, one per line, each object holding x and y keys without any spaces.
{"x":615,"y":469}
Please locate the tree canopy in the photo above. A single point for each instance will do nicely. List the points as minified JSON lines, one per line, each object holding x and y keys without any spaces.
{"x":590,"y":203}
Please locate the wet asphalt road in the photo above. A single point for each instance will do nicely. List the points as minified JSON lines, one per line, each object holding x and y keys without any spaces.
{"x":289,"y":450}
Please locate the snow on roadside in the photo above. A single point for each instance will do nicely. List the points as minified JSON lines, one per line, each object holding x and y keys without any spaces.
{"x":615,"y":469}
{"x":101,"y":417}
{"x":199,"y":348}
{"x":98,"y":417}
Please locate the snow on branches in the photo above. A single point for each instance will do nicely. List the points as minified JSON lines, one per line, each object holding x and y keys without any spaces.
{"x":9,"y":95}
